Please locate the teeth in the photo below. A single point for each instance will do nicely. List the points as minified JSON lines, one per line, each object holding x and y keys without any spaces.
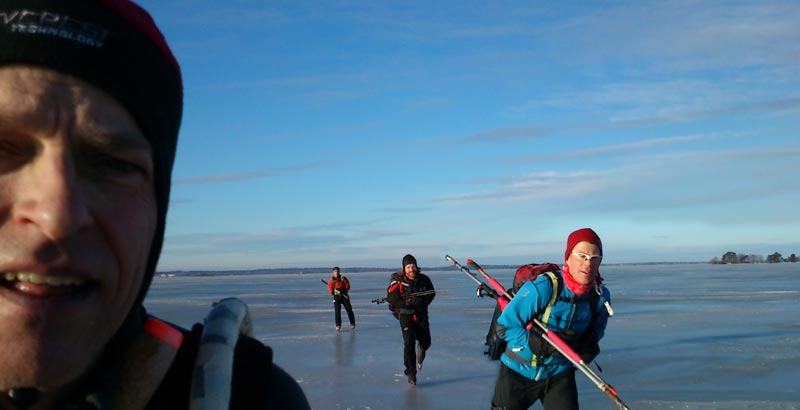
{"x":38,"y":279}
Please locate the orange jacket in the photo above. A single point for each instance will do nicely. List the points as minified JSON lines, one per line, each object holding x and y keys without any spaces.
{"x":341,"y":284}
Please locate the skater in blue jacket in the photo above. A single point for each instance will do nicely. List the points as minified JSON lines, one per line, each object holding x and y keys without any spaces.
{"x":531,"y":368}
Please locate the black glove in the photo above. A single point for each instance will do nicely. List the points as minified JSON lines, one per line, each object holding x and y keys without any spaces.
{"x":588,"y":347}
{"x":538,"y":345}
{"x":484,"y":290}
{"x":542,"y":348}
{"x":411,"y":302}
{"x":567,"y":335}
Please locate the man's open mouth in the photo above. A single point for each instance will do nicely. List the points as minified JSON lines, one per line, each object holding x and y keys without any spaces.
{"x":41,"y":285}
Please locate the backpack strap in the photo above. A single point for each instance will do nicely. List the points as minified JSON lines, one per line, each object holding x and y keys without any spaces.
{"x":149,"y":356}
{"x":556,"y":283}
{"x":594,"y":299}
{"x":213,"y":368}
{"x":545,"y":316}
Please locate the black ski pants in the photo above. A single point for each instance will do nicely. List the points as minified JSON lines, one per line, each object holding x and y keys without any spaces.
{"x":514,"y":391}
{"x":415,"y":328}
{"x":338,"y":302}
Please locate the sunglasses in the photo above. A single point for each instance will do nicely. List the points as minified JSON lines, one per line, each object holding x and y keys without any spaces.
{"x":587,"y":257}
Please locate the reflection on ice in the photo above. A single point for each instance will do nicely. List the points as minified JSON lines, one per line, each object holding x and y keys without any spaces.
{"x":683,"y":337}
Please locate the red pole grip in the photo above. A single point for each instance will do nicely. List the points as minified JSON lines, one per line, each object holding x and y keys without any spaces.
{"x":496,"y":285}
{"x":492,"y":281}
{"x":502,"y":301}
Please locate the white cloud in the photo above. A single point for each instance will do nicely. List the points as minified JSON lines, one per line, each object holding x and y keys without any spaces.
{"x":605,"y":150}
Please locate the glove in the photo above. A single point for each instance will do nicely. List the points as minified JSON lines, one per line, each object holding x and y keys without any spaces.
{"x":588,"y":351}
{"x":336,"y":292}
{"x":539,"y":346}
{"x":588,"y":347}
{"x":567,"y":335}
{"x":409,"y":301}
{"x":484,"y":290}
{"x":542,"y":348}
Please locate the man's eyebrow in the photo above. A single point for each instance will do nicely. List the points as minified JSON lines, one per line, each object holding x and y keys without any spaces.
{"x":5,"y":120}
{"x":114,"y":139}
{"x":100,"y":136}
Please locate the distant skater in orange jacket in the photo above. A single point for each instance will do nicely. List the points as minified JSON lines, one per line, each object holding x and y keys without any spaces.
{"x":338,"y":286}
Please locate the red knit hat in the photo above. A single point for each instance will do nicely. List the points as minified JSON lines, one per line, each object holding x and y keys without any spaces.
{"x":582,"y":235}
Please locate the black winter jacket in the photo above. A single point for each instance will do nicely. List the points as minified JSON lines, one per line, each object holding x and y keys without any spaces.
{"x":400,"y":290}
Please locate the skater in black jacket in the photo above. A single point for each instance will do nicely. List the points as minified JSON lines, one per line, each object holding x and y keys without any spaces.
{"x":412,"y":312}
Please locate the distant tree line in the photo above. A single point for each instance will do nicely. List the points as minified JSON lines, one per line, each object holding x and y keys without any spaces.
{"x":733,"y":257}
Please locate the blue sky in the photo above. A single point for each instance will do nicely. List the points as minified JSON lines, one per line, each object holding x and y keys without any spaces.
{"x":353,"y":132}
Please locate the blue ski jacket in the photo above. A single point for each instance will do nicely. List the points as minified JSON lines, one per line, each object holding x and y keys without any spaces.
{"x":568,"y":312}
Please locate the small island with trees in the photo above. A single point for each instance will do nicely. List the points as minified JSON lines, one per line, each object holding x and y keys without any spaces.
{"x":733,"y":257}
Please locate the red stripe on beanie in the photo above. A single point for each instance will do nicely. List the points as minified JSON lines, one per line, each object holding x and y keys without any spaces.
{"x":141,"y":20}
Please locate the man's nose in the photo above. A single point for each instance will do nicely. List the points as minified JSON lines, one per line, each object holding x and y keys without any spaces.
{"x":51,"y":197}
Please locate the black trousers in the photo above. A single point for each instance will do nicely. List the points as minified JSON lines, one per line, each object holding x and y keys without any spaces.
{"x":514,"y":391}
{"x":338,"y":302}
{"x":413,"y":331}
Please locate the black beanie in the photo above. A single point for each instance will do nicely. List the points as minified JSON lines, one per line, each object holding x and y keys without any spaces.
{"x":115,"y":46}
{"x":409,"y":259}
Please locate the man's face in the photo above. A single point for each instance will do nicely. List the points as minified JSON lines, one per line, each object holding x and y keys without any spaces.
{"x":584,"y":262}
{"x":410,"y":270}
{"x":77,"y":219}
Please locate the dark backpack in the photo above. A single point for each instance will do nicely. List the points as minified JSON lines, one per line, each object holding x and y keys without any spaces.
{"x":394,"y":277}
{"x":496,"y":345}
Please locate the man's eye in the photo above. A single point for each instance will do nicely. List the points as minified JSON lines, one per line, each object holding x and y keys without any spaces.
{"x":107,"y":166}
{"x":7,"y":148}
{"x":12,"y":144}
{"x":118,"y":165}
{"x":14,"y":154}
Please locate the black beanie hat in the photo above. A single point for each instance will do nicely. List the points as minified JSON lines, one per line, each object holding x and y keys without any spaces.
{"x":115,"y":46}
{"x":409,"y":259}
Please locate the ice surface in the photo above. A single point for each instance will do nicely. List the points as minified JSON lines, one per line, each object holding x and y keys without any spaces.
{"x":705,"y":337}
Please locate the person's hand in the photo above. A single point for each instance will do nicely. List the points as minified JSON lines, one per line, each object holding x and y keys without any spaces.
{"x":588,"y":351}
{"x":588,"y":347}
{"x":484,"y":290}
{"x":336,"y":292}
{"x":413,"y":302}
{"x":543,"y":348}
{"x":567,"y":335}
{"x":538,"y":345}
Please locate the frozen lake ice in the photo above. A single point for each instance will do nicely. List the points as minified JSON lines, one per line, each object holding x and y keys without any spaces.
{"x":688,"y":336}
